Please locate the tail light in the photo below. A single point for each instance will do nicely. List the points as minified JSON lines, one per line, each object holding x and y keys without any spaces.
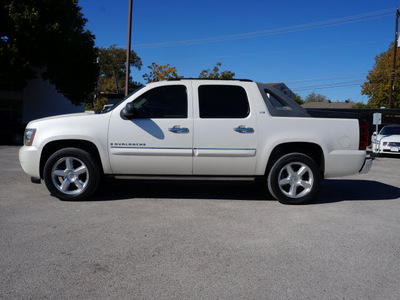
{"x":364,"y":134}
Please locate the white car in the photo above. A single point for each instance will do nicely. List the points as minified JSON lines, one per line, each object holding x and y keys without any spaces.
{"x":387,"y":141}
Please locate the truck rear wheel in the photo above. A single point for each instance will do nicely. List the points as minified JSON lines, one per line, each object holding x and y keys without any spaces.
{"x":294,"y":179}
{"x":71,"y":174}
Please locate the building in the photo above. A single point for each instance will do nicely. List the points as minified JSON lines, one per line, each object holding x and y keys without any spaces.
{"x":38,"y":99}
{"x":329,"y":105}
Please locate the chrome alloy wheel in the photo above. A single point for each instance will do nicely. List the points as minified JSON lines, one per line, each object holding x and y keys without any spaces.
{"x":295,"y":180}
{"x":70,"y":175}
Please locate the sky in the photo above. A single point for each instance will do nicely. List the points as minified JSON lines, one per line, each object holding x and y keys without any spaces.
{"x":322,"y":46}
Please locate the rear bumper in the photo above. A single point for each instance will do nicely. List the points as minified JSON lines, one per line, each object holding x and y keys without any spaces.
{"x":367,"y":166}
{"x":346,"y":162}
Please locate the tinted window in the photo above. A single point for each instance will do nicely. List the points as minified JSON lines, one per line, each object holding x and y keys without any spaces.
{"x":276,"y":102}
{"x":222,"y":101}
{"x":162,"y":102}
{"x":388,"y":130}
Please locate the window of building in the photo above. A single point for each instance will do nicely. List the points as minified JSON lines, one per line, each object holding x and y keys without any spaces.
{"x":223,"y":101}
{"x":10,"y":109}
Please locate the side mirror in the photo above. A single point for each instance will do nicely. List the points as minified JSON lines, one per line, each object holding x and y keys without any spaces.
{"x":373,"y":137}
{"x":129,"y":111}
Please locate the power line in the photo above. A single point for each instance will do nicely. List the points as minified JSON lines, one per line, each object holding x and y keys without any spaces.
{"x":335,"y":84}
{"x":329,"y":87}
{"x":327,"y":78}
{"x":288,"y":29}
{"x":332,"y":85}
{"x":291,"y":50}
{"x":341,"y":76}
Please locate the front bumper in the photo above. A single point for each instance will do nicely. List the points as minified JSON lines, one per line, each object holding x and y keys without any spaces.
{"x":388,"y":147}
{"x":389,"y":150}
{"x":29,"y":158}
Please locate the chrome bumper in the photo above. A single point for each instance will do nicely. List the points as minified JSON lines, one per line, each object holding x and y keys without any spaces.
{"x":367,"y":166}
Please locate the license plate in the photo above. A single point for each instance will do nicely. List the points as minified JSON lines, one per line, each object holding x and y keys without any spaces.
{"x":394,"y":149}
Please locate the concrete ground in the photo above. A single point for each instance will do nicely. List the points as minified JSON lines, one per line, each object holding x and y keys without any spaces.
{"x":199,"y":240}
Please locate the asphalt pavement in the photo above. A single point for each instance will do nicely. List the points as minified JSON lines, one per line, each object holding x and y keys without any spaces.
{"x":200,"y":240}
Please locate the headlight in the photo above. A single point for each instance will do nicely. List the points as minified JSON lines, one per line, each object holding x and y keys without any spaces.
{"x":385,"y":143}
{"x":29,"y":136}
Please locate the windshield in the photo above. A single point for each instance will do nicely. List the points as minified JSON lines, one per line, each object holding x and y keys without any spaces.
{"x":389,"y":130}
{"x":119,"y":102}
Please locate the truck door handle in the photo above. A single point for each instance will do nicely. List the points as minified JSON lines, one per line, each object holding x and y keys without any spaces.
{"x":244,"y":129}
{"x":179,"y":129}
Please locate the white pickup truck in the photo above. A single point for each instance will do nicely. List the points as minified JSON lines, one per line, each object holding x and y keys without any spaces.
{"x":196,"y":129}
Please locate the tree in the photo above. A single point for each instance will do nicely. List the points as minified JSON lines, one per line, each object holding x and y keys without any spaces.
{"x":377,"y":86}
{"x":112,"y":63}
{"x":359,"y":105}
{"x":313,"y":97}
{"x":160,"y":72}
{"x":112,"y":66}
{"x":298,"y":99}
{"x":215,"y":74}
{"x":47,"y":37}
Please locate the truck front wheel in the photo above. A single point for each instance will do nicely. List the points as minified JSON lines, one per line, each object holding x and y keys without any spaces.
{"x":71,"y":174}
{"x":294,"y":179}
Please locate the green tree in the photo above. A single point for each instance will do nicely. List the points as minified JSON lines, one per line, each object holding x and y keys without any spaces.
{"x":112,"y":63}
{"x":313,"y":97}
{"x":377,"y":86}
{"x":298,"y":99}
{"x":360,"y":105}
{"x":215,"y":73}
{"x":47,"y":37}
{"x":160,"y":72}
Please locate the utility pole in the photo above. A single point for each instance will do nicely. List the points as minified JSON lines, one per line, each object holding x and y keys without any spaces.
{"x":128,"y":50}
{"x":394,"y":59}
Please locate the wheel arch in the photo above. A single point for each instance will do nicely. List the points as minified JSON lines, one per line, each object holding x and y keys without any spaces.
{"x":54,"y":146}
{"x":312,"y":150}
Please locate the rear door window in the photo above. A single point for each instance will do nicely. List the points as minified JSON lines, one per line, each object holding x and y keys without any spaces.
{"x":223,"y":101}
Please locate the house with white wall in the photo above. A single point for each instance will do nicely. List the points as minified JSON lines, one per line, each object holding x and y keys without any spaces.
{"x":38,"y":99}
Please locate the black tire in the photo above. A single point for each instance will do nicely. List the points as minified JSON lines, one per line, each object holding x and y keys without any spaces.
{"x":294,"y":179}
{"x":72,"y":174}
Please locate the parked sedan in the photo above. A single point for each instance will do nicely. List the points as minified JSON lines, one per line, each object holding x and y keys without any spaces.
{"x":387,"y":141}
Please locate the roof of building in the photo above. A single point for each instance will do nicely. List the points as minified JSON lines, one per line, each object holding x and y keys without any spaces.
{"x":328,"y":104}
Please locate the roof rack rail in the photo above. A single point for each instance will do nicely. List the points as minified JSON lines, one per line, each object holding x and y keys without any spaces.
{"x":216,"y":79}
